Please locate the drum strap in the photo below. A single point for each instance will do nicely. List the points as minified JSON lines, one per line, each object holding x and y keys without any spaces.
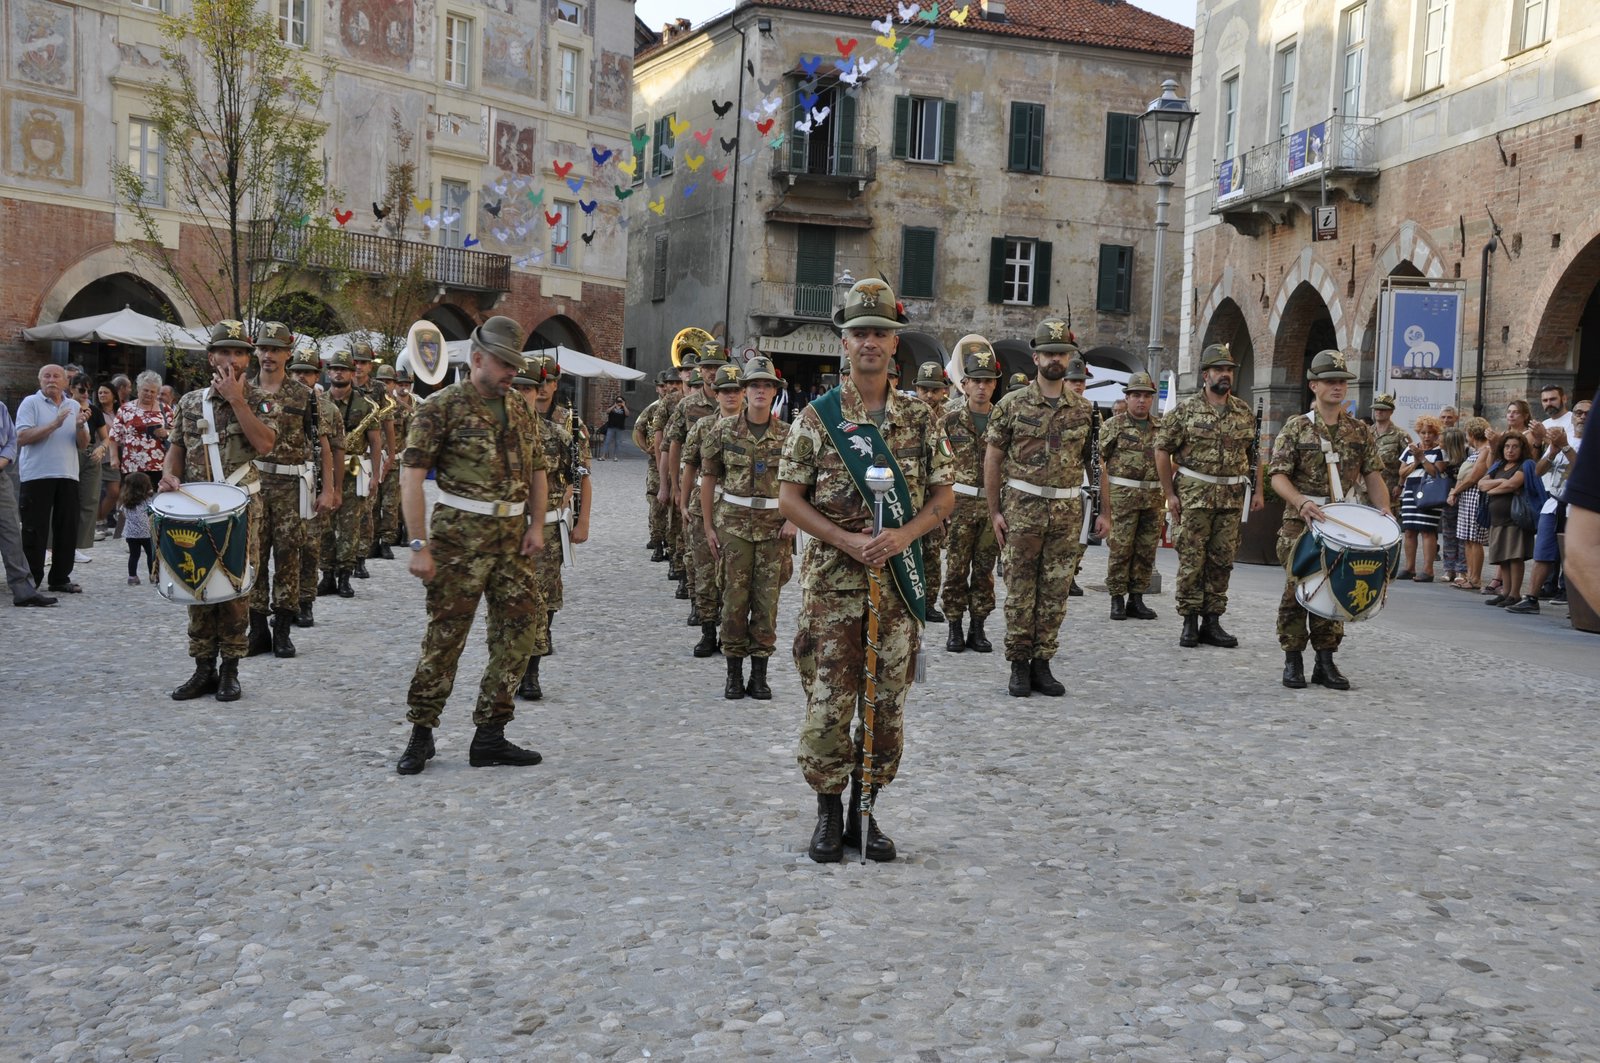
{"x":212,"y":440}
{"x":1329,"y":455}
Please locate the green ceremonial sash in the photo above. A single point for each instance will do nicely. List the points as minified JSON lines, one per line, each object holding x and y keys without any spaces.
{"x":860,"y":445}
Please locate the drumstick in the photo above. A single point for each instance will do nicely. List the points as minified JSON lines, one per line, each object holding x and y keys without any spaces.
{"x":211,"y":507}
{"x":1371,"y":537}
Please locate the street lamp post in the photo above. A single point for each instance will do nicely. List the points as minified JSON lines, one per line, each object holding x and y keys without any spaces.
{"x":1165,"y":125}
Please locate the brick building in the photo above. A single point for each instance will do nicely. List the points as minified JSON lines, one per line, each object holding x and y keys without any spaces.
{"x":1424,"y":124}
{"x":983,"y":158}
{"x":495,"y":97}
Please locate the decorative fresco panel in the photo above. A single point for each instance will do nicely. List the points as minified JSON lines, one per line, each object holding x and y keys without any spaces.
{"x":514,"y":146}
{"x":509,"y":56}
{"x":42,"y":44}
{"x":379,"y":31}
{"x":44,"y":139}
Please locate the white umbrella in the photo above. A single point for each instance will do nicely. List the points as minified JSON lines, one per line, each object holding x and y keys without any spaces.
{"x":125,"y":326}
{"x":575,"y":362}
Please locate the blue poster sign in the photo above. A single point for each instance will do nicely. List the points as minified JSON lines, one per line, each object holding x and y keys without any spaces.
{"x":1308,"y":149}
{"x":1421,"y":346}
{"x":1297,"y":152}
{"x":1228,"y":178}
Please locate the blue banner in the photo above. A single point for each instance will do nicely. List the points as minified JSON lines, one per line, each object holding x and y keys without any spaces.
{"x":1421,"y":338}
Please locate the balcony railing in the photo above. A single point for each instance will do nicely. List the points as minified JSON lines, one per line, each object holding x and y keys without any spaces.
{"x":381,"y":256}
{"x":858,"y":168}
{"x":1342,"y":144}
{"x":805,"y":302}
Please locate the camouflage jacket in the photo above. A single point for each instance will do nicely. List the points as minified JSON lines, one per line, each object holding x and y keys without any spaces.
{"x":657,"y":428}
{"x":746,"y":464}
{"x":1391,"y":443}
{"x":1128,"y":448}
{"x":299,"y":422}
{"x":456,"y":434}
{"x":1208,"y":441}
{"x":557,"y":429}
{"x":809,"y":458}
{"x":642,"y":423}
{"x":1042,"y":444}
{"x":234,"y":449}
{"x":966,"y":444}
{"x":685,"y":414}
{"x":1297,"y":454}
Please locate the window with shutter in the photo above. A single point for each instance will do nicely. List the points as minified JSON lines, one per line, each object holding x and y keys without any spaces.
{"x":917,"y":263}
{"x":997,"y":269}
{"x":1122,"y":147}
{"x":1041,"y":273}
{"x":902,"y":126}
{"x":1015,"y":266}
{"x":658,"y":278}
{"x":845,"y":113}
{"x":1115,"y":291}
{"x":1027,"y":138}
{"x":813,"y":271}
{"x":947,"y":115}
{"x":924,"y":129}
{"x":638,"y":171}
{"x":660,"y":160}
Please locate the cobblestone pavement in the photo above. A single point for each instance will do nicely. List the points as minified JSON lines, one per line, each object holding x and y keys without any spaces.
{"x":1178,"y":861}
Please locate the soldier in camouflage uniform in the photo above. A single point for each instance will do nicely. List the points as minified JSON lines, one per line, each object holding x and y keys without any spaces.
{"x":933,"y":387}
{"x":387,"y":520}
{"x":566,"y":455}
{"x":699,"y":569}
{"x":245,"y":421}
{"x":386,"y":463}
{"x":753,"y":544}
{"x":1038,"y":443}
{"x":969,"y":563}
{"x":1392,"y":442}
{"x":818,"y":494}
{"x":644,"y":438}
{"x":487,"y":532}
{"x":1131,"y":491}
{"x":1299,"y":469}
{"x":685,"y":353}
{"x":284,"y":478}
{"x":1203,"y":458}
{"x":342,"y":543}
{"x":330,"y":462}
{"x":705,"y":581}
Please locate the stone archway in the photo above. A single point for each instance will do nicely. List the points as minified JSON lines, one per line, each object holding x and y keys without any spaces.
{"x":914,"y":349}
{"x":1305,"y":327}
{"x":1227,"y":325}
{"x":454,"y":322}
{"x":1308,"y":275}
{"x":1365,"y":364}
{"x":111,"y":260}
{"x":306,"y":314}
{"x":1565,"y":348}
{"x":559,"y":331}
{"x":105,"y":295}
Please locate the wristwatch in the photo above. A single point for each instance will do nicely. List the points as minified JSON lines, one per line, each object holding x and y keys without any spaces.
{"x":418,"y":544}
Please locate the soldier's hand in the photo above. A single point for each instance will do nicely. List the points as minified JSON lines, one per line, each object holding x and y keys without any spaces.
{"x":1257,"y":502}
{"x":1102,"y":527}
{"x":168,"y":482}
{"x":1000,"y":529}
{"x":856,"y":546}
{"x":533,"y":540}
{"x":226,"y":384}
{"x":326,"y":503}
{"x":1311,"y":511}
{"x":580,"y":530}
{"x":421,"y":565}
{"x":664,"y":496}
{"x":1174,"y":506}
{"x":714,"y":543}
{"x":787,"y":531}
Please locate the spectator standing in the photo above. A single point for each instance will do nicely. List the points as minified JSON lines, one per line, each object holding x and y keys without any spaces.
{"x":1469,"y":531}
{"x":1509,"y":545}
{"x":142,"y":430}
{"x":1450,"y":417}
{"x":90,"y":455}
{"x":616,"y":425}
{"x":51,"y":428}
{"x":168,"y":395}
{"x":23,"y":590}
{"x":1583,"y":521}
{"x":137,"y":492}
{"x":1419,"y":461}
{"x":1552,"y":467}
{"x":1451,"y":555}
{"x":123,"y":387}
{"x":105,"y":405}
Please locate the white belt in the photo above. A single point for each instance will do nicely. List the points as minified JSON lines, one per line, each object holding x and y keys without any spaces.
{"x":558,"y":516}
{"x":968,"y":489}
{"x":749,"y":502}
{"x":280,"y":470}
{"x":487,"y":509}
{"x":1045,"y":492}
{"x":1225,"y":481}
{"x":1123,"y":481}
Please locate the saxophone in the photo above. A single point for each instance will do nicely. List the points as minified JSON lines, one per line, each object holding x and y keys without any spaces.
{"x":355,"y":440}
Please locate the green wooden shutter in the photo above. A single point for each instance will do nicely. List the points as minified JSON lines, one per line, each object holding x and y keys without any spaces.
{"x":997,"y":269}
{"x":1116,"y":151}
{"x":1041,"y":273}
{"x":844,"y":114}
{"x":948,"y":136}
{"x":1114,"y":293}
{"x":1019,"y":137}
{"x":798,"y":141}
{"x":1130,"y":166}
{"x":1036,"y":138}
{"x":638,"y":171}
{"x":902,"y":127}
{"x":917,"y":262}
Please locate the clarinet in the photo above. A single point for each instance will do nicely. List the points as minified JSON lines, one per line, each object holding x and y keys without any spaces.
{"x":1092,"y":510}
{"x":1255,"y":462}
{"x":579,"y":470}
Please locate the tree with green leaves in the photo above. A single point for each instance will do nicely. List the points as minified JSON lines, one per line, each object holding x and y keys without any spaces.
{"x":237,"y":117}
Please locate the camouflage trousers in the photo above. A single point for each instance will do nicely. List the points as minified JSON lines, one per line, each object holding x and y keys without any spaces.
{"x":1208,"y":540}
{"x":490,"y":569}
{"x":1136,"y":517}
{"x":674,"y":519}
{"x":547,"y":579}
{"x":830,"y":651}
{"x":387,"y":521}
{"x":752,"y":575}
{"x":223,"y":628}
{"x":1041,"y":553}
{"x":282,"y":535}
{"x":342,"y":542}
{"x":969,"y":560}
{"x":311,"y":555}
{"x":1296,"y":627}
{"x":705,"y":579}
{"x":932,"y":555}
{"x":658,"y":519}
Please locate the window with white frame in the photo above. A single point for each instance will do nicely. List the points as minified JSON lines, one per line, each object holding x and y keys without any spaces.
{"x":457,"y":50}
{"x":453,"y":196}
{"x":927,"y":129}
{"x":566,"y":11}
{"x":1288,"y":56}
{"x":292,"y":15}
{"x":1228,"y":134}
{"x":1353,"y":37}
{"x":1018,"y":280}
{"x":561,"y":236}
{"x":567,"y":81}
{"x":1529,"y":26}
{"x":1434,"y":32}
{"x":147,"y":158}
{"x":150,"y":5}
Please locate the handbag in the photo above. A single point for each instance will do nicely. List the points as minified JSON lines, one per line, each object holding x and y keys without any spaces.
{"x":1523,"y":513}
{"x":1433,"y":492}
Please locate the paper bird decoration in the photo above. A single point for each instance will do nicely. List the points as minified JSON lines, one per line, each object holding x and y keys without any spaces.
{"x":908,"y":11}
{"x":575,"y":183}
{"x":804,"y":125}
{"x":588,"y":208}
{"x":690,"y":189}
{"x":379,"y":212}
{"x":561,"y":248}
{"x":866,"y":66}
{"x":884,"y":25}
{"x":639,"y":141}
{"x":343,"y":216}
{"x":723,"y":108}
{"x":694,"y":162}
{"x":669,"y":150}
{"x":850,"y":77}
{"x":450,"y":217}
{"x":754,"y":116}
{"x":720,"y":175}
{"x":561,"y":168}
{"x":930,"y":15}
{"x":704,"y":138}
{"x":470,"y":241}
{"x":501,"y":235}
{"x":765,"y":127}
{"x":771,"y":103}
{"x":887,"y":42}
{"x":750,"y":67}
{"x":679,"y":126}
{"x":302,"y":221}
{"x":810,"y":65}
{"x":820,"y":114}
{"x":622,"y":193}
{"x":535,"y":198}
{"x":766,"y":87}
{"x":500,"y":186}
{"x":422,"y":205}
{"x":728,"y":144}
{"x":588,"y":238}
{"x":552,"y":220}
{"x":926,"y":41}
{"x":600,"y":157}
{"x":495,"y":207}
{"x":846,"y":47}
{"x":519,"y":183}
{"x":630,"y":167}
{"x":808,"y":100}
{"x":659,"y":205}
{"x":776,"y":142}
{"x":430,"y":221}
{"x":521,"y":229}
{"x":959,"y":15}
{"x":903,"y":43}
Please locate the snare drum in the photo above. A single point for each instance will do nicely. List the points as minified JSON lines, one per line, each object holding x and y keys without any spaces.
{"x":1344,"y":572}
{"x":204,"y":557}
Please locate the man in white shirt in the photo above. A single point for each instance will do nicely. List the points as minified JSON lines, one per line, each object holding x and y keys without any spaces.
{"x":1562,"y":432}
{"x":51,"y":428}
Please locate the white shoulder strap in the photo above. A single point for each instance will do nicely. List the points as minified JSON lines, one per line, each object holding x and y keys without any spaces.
{"x":211,"y":439}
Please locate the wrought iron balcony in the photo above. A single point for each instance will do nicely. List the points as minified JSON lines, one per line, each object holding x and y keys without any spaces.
{"x":829,"y":167}
{"x":1343,"y":146}
{"x":370,"y":255}
{"x":793,"y":302}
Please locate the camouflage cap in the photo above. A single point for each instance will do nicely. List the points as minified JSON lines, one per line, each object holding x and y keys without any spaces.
{"x":1077,"y":370}
{"x":1140,"y":382}
{"x":402,"y":375}
{"x":666,"y":376}
{"x":931,"y":375}
{"x":274,"y":334}
{"x":1217,"y":356}
{"x":894,"y":369}
{"x":870,"y":303}
{"x":385,"y":372}
{"x":528,"y":375}
{"x":711,"y":353}
{"x":978,"y":359}
{"x":1329,"y":365}
{"x":761,"y":368}
{"x":695,"y":380}
{"x":304,"y":361}
{"x":500,"y":337}
{"x":1384,"y":400}
{"x":689,"y":359}
{"x":1054,"y":336}
{"x":544,"y":368}
{"x":728,"y":378}
{"x":1018,"y":380}
{"x":229,"y":334}
{"x":361,"y":351}
{"x":341,"y":360}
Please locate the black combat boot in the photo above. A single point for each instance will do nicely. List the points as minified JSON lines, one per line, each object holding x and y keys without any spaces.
{"x":932,"y":615}
{"x":1211,"y":632}
{"x":957,"y":642}
{"x":360,"y":571}
{"x":694,"y":615}
{"x":306,"y":617}
{"x":259,"y":640}
{"x":384,"y":552}
{"x":228,"y":680}
{"x":490,"y":747}
{"x":282,"y":621}
{"x":345,"y":590}
{"x":204,"y":680}
{"x":1074,"y":591}
{"x":1045,"y":683}
{"x":1294,"y":669}
{"x":733,"y":689}
{"x":529,"y":689}
{"x":673,"y":571}
{"x":419,"y":750}
{"x":374,"y":552}
{"x":682,"y":593}
{"x":1326,"y":673}
{"x":708,"y":641}
{"x":827,"y":840}
{"x":1020,"y":684}
{"x":1119,"y":607}
{"x":757,"y":687}
{"x":660,"y":554}
{"x":1137,"y":609}
{"x":1191,"y":632}
{"x":327,"y":584}
{"x":976,"y":639}
{"x":880,"y":847}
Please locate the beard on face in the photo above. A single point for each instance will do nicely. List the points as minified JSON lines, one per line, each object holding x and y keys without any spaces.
{"x":1221,"y":386}
{"x":1053,"y":371}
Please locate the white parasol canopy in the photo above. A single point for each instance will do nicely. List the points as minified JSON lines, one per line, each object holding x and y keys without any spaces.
{"x":125,"y":326}
{"x":575,"y":362}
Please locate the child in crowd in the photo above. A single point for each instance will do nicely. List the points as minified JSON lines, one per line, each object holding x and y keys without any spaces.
{"x":136,"y":492}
